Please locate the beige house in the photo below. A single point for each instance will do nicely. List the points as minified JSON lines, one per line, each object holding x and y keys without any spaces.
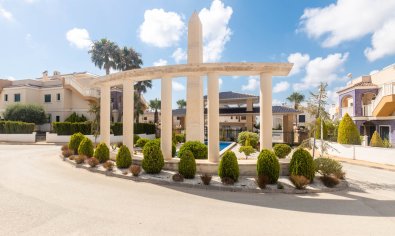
{"x":59,"y":94}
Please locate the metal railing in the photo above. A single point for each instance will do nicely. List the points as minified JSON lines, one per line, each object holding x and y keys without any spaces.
{"x":349,"y":110}
{"x":385,"y":90}
{"x":88,"y":92}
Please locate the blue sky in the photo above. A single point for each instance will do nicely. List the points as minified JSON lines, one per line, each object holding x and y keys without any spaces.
{"x":325,"y":39}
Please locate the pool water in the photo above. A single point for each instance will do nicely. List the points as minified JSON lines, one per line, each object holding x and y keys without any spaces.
{"x":222,"y":145}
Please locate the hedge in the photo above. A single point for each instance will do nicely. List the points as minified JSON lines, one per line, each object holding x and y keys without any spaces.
{"x":16,"y":127}
{"x":68,"y":128}
{"x":140,"y":128}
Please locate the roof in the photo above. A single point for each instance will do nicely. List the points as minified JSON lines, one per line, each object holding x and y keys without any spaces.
{"x":233,"y":95}
{"x":360,"y":84}
{"x":242,"y":110}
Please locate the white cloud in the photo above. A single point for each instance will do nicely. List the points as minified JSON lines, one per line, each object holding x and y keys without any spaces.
{"x":161,"y":29}
{"x":346,"y":20}
{"x":299,"y":60}
{"x":216,"y":32}
{"x":333,"y":97}
{"x":276,"y":102}
{"x":383,"y":42}
{"x":7,"y":15}
{"x":281,"y":87}
{"x":179,"y":55}
{"x":252,"y":84}
{"x":177,"y":86}
{"x":322,"y":70}
{"x":160,"y":62}
{"x":31,"y":1}
{"x":373,"y":72}
{"x":220,"y":82}
{"x":79,"y":38}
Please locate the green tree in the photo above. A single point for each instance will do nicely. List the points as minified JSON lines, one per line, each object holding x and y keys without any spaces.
{"x":376,"y":140}
{"x":94,"y":110}
{"x":155,"y":105}
{"x":296,"y":98}
{"x":348,"y":132}
{"x":105,"y":54}
{"x":29,"y":113}
{"x":181,"y":103}
{"x":128,"y":59}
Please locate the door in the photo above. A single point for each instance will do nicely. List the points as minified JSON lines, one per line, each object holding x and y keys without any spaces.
{"x":385,"y":132}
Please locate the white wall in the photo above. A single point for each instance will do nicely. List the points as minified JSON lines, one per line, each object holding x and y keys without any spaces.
{"x":54,"y":138}
{"x":24,"y":138}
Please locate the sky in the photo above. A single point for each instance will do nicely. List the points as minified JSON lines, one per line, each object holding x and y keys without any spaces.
{"x":327,"y":40}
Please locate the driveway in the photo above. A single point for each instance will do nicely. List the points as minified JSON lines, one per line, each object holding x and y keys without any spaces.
{"x":42,"y":195}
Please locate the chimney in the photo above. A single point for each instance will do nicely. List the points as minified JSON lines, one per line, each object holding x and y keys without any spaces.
{"x":45,"y":75}
{"x":56,"y":74}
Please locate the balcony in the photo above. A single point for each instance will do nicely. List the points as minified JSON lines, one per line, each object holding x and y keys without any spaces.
{"x":367,"y":110}
{"x":349,"y":110}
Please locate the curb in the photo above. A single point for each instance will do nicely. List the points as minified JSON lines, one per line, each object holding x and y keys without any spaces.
{"x":342,"y":186}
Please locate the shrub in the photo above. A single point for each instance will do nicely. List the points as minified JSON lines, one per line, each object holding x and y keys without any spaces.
{"x":29,"y":113}
{"x":173,"y":150}
{"x":139,"y":128}
{"x":329,"y":181}
{"x":153,"y":161}
{"x":187,"y":165}
{"x":117,"y":128}
{"x":282,"y":150}
{"x":67,"y":153}
{"x":386,"y":143}
{"x":108,"y":165}
{"x":75,"y":141}
{"x":299,"y":181}
{"x":228,"y":166}
{"x":180,"y":138}
{"x":228,"y":181}
{"x":135,"y":170}
{"x":262,"y":181}
{"x":102,"y":153}
{"x":141,"y":142}
{"x":68,"y":128}
{"x":16,"y":127}
{"x":302,"y":164}
{"x":177,"y":177}
{"x":123,"y":158}
{"x":348,"y":132}
{"x":65,"y":147}
{"x":247,"y":150}
{"x":206,"y":179}
{"x":327,"y":167}
{"x":253,"y":137}
{"x":86,"y":147}
{"x":268,"y":165}
{"x":135,"y":138}
{"x":318,"y":129}
{"x":376,"y":140}
{"x":93,"y":162}
{"x":79,"y":159}
{"x":74,"y":117}
{"x":198,"y":149}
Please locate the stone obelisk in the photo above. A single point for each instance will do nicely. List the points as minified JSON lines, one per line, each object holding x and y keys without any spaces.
{"x":195,"y":105}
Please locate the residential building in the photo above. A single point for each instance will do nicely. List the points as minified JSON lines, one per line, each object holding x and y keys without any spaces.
{"x":370,"y":101}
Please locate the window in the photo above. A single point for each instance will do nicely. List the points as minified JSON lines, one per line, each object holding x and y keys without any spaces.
{"x":17,"y":97}
{"x":47,"y":98}
{"x":57,"y":118}
{"x":231,"y":117}
{"x":6,"y":97}
{"x":145,"y":118}
{"x":243,"y":118}
{"x":302,"y":118}
{"x":58,"y":96}
{"x":385,"y":132}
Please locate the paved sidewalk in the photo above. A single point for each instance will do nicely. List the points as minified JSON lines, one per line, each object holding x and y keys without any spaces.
{"x":365,"y":163}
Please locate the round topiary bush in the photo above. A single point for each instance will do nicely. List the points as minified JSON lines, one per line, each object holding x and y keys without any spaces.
{"x":75,"y":141}
{"x":268,"y":165}
{"x":102,"y":153}
{"x":282,"y":150}
{"x":141,"y":142}
{"x":302,"y":163}
{"x":187,"y":165}
{"x":228,"y":166}
{"x":153,"y":161}
{"x":123,"y":158}
{"x":348,"y":132}
{"x":173,"y":150}
{"x":86,"y":147}
{"x":251,"y":136}
{"x":198,"y":149}
{"x":376,"y":140}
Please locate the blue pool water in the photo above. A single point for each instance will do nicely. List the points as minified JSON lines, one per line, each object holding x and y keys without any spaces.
{"x":222,"y":145}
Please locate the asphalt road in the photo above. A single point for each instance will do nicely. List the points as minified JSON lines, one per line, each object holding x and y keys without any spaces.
{"x":42,"y":195}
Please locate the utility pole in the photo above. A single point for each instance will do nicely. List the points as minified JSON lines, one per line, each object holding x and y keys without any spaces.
{"x":317,"y":116}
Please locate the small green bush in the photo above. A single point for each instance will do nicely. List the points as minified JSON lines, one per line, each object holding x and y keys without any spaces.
{"x":187,"y":165}
{"x":282,"y":150}
{"x":173,"y":150}
{"x":74,"y":117}
{"x":153,"y":161}
{"x":135,"y":138}
{"x":180,"y":138}
{"x":268,"y":165}
{"x":75,"y":141}
{"x":228,"y":166}
{"x":198,"y":149}
{"x":86,"y":147}
{"x":141,"y":142}
{"x":253,"y":137}
{"x":376,"y":140}
{"x":302,"y":164}
{"x":326,"y":167}
{"x":247,"y":150}
{"x":102,"y":153}
{"x":387,"y":143}
{"x":348,"y":132}
{"x":123,"y":158}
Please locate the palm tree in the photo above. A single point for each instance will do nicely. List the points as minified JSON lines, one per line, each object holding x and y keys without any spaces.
{"x":105,"y":54}
{"x":296,"y":98}
{"x":181,"y":103}
{"x":155,"y":105}
{"x":128,"y":59}
{"x":139,"y":107}
{"x":140,"y":87}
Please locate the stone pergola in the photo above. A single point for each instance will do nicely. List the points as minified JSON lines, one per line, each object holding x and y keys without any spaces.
{"x":195,"y":70}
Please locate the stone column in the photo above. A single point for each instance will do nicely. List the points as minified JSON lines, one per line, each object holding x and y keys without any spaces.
{"x":105,"y":114}
{"x":265,"y":114}
{"x":128,"y":114}
{"x":213,"y":117}
{"x":166,"y":118}
{"x":250,"y":117}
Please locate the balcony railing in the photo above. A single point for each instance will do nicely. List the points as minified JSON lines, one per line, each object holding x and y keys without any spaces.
{"x":349,"y":110}
{"x":385,"y":90}
{"x":88,"y":92}
{"x":367,"y":110}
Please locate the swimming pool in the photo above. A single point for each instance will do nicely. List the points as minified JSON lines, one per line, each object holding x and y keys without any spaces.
{"x":222,"y":145}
